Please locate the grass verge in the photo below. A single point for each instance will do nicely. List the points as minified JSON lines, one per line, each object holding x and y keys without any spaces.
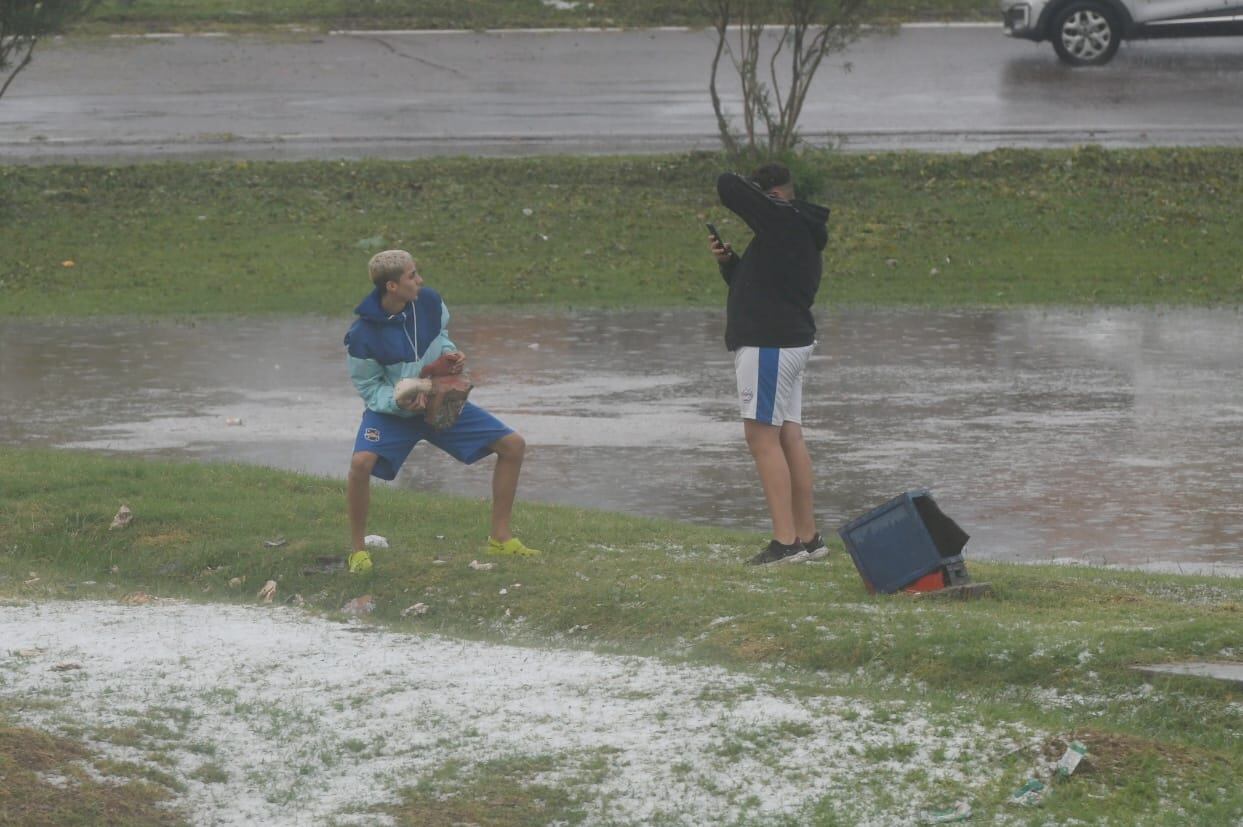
{"x":1074,"y":227}
{"x":115,"y":16}
{"x":50,"y":780}
{"x":1052,"y":650}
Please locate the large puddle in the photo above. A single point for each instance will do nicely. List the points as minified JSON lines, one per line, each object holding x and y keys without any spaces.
{"x":1107,"y":436}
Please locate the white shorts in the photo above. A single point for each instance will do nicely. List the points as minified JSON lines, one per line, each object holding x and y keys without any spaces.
{"x":770,"y":382}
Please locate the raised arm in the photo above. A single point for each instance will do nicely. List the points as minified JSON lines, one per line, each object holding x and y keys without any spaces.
{"x":762,"y":213}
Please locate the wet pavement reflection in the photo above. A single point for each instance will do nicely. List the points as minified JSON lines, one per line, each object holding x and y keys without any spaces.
{"x":1108,"y":436}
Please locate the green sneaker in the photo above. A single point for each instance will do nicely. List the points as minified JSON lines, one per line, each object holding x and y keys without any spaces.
{"x":359,"y":562}
{"x":512,"y":547}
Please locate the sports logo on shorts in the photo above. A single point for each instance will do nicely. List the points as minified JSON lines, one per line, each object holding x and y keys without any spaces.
{"x":747,"y":395}
{"x":372,"y":434}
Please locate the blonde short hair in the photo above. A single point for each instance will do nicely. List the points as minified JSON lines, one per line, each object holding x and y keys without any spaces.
{"x":388,"y":266}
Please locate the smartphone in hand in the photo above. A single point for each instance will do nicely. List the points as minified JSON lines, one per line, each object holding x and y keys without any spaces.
{"x":715,"y":234}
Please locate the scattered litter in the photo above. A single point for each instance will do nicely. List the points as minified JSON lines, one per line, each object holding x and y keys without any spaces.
{"x":295,"y":600}
{"x":115,"y":569}
{"x":516,"y":586}
{"x":359,"y":606}
{"x":534,"y":346}
{"x":528,"y":211}
{"x":577,"y":628}
{"x":34,"y":578}
{"x":327,"y":564}
{"x":504,"y":591}
{"x":67,"y":666}
{"x":137,"y":598}
{"x":508,"y":613}
{"x":236,"y":581}
{"x":123,"y":518}
{"x":440,"y":536}
{"x":233,"y":421}
{"x":438,"y":561}
{"x":1030,"y":794}
{"x":416,"y":609}
{"x":959,"y":812}
{"x":275,"y":542}
{"x":267,"y":592}
{"x":67,"y":263}
{"x":477,"y":566}
{"x":1070,"y":759}
{"x":375,"y":541}
{"x":1230,"y":672}
{"x":29,"y":653}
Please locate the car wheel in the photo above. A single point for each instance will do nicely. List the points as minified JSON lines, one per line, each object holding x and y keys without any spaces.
{"x":1086,"y":33}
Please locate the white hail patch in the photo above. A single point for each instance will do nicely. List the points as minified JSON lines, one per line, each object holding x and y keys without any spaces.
{"x":313,"y":720}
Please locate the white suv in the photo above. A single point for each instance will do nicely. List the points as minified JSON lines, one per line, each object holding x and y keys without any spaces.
{"x":1087,"y":32}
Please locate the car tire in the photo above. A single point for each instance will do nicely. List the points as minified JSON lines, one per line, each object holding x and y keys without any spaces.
{"x":1085,"y":33}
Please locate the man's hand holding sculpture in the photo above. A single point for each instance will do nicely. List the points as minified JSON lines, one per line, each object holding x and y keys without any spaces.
{"x":439,"y":394}
{"x":448,"y":364}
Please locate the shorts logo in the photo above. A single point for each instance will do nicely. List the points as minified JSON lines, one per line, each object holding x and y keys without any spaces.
{"x":372,"y":434}
{"x":747,"y":395}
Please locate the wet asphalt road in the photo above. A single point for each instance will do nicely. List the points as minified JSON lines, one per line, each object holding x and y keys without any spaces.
{"x":418,"y":94}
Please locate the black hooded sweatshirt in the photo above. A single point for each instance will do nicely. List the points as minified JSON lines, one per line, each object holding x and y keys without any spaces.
{"x":772,"y":287}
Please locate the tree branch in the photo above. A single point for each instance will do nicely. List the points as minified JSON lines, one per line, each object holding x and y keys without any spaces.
{"x":24,"y":63}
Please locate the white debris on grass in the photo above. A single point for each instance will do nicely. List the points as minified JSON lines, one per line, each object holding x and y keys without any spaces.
{"x":284,"y":700}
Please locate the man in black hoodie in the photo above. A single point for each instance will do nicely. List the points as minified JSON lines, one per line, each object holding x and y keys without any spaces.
{"x":771,"y":331}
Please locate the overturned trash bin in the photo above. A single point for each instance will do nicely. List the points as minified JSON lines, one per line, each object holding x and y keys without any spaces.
{"x":908,"y":543}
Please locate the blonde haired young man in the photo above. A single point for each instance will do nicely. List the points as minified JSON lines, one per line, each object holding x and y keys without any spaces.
{"x":402,"y":332}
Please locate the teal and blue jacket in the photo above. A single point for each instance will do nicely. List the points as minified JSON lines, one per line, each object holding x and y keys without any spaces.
{"x":384,"y":349}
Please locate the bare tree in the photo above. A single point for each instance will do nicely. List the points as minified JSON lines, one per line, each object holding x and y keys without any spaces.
{"x":23,"y":22}
{"x":809,"y":30}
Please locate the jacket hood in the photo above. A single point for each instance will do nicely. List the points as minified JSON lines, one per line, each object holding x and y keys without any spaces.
{"x":816,"y":218}
{"x":372,"y":310}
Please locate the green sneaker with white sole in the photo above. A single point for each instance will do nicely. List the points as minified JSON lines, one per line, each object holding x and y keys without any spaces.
{"x":359,"y":562}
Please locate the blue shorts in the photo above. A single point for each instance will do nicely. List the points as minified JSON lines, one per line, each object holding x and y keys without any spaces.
{"x":392,"y":438}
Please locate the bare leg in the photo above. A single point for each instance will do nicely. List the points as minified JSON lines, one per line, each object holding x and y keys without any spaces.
{"x":765,"y":444}
{"x":801,"y":481}
{"x":358,"y":496}
{"x":510,"y":449}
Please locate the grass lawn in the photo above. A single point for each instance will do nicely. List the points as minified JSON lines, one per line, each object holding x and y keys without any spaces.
{"x":1052,"y":650}
{"x":1074,"y":227}
{"x":249,"y":15}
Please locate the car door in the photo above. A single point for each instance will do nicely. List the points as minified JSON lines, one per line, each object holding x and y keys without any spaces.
{"x":1150,"y":11}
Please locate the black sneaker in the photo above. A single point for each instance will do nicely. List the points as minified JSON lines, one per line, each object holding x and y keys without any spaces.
{"x":778,"y":553}
{"x":816,"y":549}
